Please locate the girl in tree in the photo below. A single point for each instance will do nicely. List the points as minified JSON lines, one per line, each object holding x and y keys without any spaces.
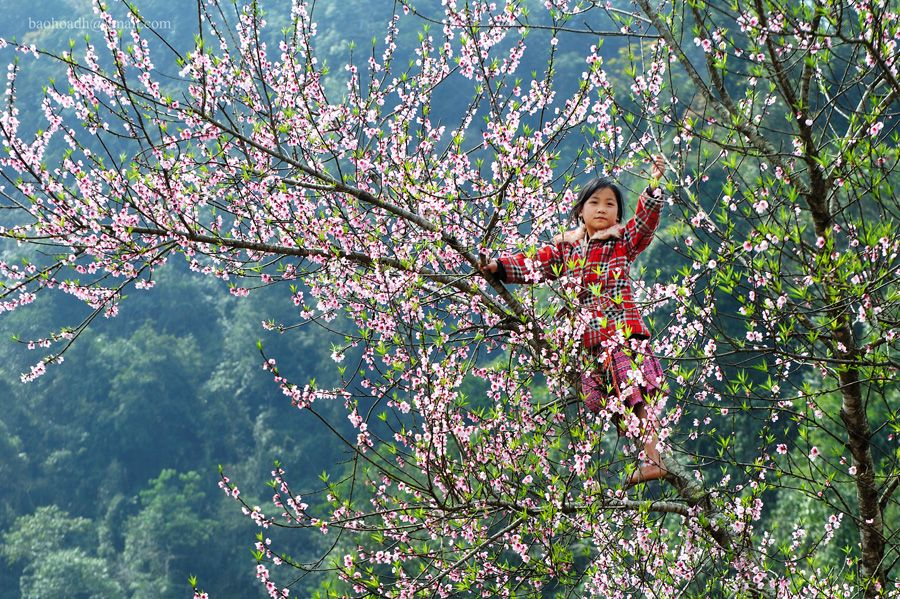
{"x":597,"y":257}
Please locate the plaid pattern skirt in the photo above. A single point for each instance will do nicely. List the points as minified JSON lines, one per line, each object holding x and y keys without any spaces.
{"x":630,"y":372}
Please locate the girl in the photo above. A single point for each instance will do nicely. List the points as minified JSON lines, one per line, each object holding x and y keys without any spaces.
{"x":598,"y":256}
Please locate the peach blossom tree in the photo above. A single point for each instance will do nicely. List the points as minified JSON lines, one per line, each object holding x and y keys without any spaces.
{"x":369,"y":195}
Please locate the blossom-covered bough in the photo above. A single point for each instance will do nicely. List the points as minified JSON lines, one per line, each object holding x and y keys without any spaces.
{"x":370,"y":195}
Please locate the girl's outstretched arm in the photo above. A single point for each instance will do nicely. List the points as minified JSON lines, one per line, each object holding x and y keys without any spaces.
{"x":547,"y":263}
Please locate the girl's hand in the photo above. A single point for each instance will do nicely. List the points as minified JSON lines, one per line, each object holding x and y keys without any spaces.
{"x":658,"y":169}
{"x":488,"y":269}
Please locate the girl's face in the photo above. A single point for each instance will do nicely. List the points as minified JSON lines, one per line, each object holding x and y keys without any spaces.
{"x":600,"y":210}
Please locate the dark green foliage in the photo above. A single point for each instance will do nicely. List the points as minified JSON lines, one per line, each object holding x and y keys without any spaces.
{"x":121,"y":444}
{"x":48,"y":549}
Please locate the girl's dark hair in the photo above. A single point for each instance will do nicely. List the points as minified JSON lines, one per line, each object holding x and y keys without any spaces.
{"x":588,"y":190}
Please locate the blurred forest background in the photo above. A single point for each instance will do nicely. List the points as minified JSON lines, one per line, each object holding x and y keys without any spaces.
{"x":109,"y":463}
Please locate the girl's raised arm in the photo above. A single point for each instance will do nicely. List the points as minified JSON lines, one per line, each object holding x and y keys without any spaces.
{"x":639,"y":229}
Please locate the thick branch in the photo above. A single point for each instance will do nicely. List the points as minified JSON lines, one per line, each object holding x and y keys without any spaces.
{"x":303,"y":252}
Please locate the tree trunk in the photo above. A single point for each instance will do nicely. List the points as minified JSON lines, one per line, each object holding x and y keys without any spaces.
{"x":870,"y":522}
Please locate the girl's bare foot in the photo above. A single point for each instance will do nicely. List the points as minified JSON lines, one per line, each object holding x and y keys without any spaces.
{"x":645,"y":473}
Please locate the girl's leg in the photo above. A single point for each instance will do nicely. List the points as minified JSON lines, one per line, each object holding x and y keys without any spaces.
{"x":654,"y":468}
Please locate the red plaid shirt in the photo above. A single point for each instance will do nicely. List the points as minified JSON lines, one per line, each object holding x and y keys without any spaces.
{"x":600,"y":270}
